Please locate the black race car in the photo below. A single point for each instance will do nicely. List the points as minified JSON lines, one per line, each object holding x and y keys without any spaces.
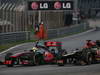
{"x":84,"y":56}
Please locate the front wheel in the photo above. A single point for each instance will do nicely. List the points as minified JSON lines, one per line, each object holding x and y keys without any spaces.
{"x":7,"y":56}
{"x":38,"y":60}
{"x":9,"y":65}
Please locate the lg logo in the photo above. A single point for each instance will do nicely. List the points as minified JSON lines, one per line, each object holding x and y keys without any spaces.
{"x":51,"y":5}
{"x":59,"y":5}
{"x":66,"y":5}
{"x":43,"y":5}
{"x":35,"y":5}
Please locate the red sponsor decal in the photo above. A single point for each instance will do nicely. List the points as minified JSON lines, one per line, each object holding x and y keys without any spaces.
{"x":52,"y":43}
{"x":60,"y":61}
{"x":8,"y":62}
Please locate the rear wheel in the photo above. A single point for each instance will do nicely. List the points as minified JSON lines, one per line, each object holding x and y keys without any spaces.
{"x":79,"y":62}
{"x":82,"y":62}
{"x":89,"y":59}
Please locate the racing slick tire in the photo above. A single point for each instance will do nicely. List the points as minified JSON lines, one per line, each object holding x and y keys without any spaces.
{"x":7,"y":59}
{"x":79,"y":62}
{"x":89,"y":59}
{"x":82,"y":62}
{"x":85,"y":59}
{"x":60,"y":64}
{"x":7,"y":56}
{"x":9,"y":65}
{"x":38,"y":60}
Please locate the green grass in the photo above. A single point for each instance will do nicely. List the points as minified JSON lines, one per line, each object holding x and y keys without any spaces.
{"x":6,"y":46}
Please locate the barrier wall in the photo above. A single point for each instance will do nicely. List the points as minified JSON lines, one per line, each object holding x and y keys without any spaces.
{"x":52,"y":33}
{"x":13,"y":37}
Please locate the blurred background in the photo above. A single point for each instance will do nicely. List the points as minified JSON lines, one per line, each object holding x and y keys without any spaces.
{"x":17,"y":21}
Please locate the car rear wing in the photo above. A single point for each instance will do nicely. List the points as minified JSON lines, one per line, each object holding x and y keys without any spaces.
{"x":56,"y":44}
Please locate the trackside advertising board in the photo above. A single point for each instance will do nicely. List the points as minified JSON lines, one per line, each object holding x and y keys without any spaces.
{"x":50,"y":5}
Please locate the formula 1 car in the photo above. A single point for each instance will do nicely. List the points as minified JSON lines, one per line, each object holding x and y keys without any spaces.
{"x":37,"y":56}
{"x":84,"y":56}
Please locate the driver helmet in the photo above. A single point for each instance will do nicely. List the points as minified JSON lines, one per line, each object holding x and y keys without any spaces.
{"x":34,"y":49}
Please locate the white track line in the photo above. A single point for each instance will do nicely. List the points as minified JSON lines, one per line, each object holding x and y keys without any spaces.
{"x":82,"y":33}
{"x":10,"y":49}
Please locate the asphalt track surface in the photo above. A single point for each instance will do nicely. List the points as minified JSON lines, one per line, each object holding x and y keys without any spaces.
{"x":69,"y":44}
